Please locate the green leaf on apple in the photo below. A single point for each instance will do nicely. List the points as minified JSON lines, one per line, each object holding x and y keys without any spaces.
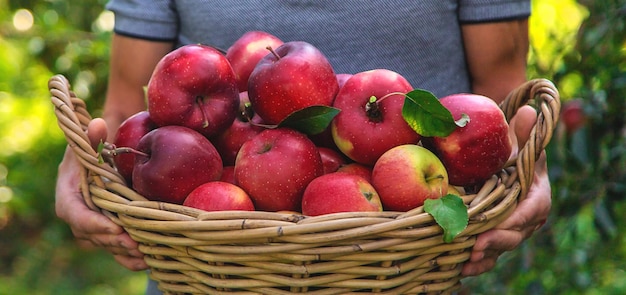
{"x":427,"y":116}
{"x":450,"y":213}
{"x":310,"y":120}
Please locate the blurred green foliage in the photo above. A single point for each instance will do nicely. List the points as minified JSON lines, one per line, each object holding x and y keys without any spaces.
{"x":38,"y":254}
{"x":579,"y":45}
{"x":582,"y":248}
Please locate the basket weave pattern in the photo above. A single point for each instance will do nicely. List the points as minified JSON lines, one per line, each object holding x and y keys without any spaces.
{"x":231,"y":252}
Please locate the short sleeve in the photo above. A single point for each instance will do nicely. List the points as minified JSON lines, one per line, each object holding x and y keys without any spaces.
{"x":145,"y":19}
{"x":482,"y":11}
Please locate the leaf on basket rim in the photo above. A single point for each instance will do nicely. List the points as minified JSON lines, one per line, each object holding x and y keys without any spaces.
{"x":100,"y":148}
{"x":450,"y":213}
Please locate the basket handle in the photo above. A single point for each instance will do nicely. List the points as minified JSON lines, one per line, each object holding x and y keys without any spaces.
{"x":547,"y":102}
{"x":73,"y":119}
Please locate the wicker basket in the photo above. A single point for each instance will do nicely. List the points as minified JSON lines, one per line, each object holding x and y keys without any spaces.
{"x":230,"y":252}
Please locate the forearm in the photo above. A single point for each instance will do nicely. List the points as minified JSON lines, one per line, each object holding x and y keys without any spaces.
{"x":496,"y":56}
{"x":131,"y":64}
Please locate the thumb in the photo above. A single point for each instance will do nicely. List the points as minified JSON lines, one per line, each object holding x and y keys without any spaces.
{"x":97,"y":132}
{"x":523,"y":122}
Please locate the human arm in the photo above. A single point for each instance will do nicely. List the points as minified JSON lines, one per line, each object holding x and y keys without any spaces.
{"x":496,"y":56}
{"x":132,"y":62}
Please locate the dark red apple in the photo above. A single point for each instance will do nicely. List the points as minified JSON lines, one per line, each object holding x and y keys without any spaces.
{"x":339,"y":192}
{"x":371,"y":121}
{"x":275,"y":167}
{"x":246,"y":52}
{"x":324,"y":139}
{"x":194,"y":86}
{"x":331,"y":159}
{"x":475,"y":152}
{"x":241,"y":130}
{"x":175,"y":161}
{"x":573,"y":115}
{"x":294,"y":76}
{"x":127,"y":136}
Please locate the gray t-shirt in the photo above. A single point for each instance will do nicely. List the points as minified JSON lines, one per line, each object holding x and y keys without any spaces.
{"x":421,"y":40}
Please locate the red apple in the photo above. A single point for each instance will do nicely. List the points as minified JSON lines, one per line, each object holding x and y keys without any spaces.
{"x":294,"y":76}
{"x":573,"y":115}
{"x":194,"y":86}
{"x":324,"y":139}
{"x":407,"y":175}
{"x":366,"y":128}
{"x":128,"y":135}
{"x":331,"y":159}
{"x":219,"y":196}
{"x":358,"y":169}
{"x":475,"y":152}
{"x":339,"y":192}
{"x":275,"y":167}
{"x":175,"y":161}
{"x":241,"y":130}
{"x":246,"y":52}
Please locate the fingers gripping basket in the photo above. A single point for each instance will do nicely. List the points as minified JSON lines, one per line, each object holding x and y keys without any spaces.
{"x":192,"y":251}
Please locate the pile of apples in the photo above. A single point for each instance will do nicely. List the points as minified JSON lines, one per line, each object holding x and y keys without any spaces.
{"x":223,"y":131}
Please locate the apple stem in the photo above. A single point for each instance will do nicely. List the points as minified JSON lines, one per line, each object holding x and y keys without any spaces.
{"x":246,"y":112}
{"x":273,"y":52}
{"x":205,"y":120}
{"x":124,"y":150}
{"x":106,"y":152}
{"x":266,"y":126}
{"x":390,"y":94}
{"x":372,"y":110}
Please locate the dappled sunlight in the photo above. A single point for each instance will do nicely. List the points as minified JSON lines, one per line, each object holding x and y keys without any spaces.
{"x":24,"y":123}
{"x":23,"y":20}
{"x":553,"y":30}
{"x":105,"y":22}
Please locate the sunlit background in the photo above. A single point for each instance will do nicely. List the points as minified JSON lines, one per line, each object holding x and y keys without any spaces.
{"x":579,"y":45}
